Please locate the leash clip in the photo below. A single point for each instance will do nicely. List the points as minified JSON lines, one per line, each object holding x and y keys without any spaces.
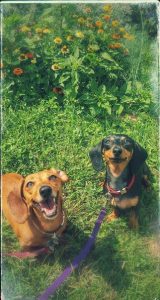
{"x":123,"y":191}
{"x":54,"y":241}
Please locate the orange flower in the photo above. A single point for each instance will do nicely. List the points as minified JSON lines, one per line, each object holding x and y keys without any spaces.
{"x":106,"y":18}
{"x":100,"y":31}
{"x":29,"y":55}
{"x":1,"y":65}
{"x":58,"y":90}
{"x":18,"y":71}
{"x":116,"y":36}
{"x":115,"y":46}
{"x":99,"y":24}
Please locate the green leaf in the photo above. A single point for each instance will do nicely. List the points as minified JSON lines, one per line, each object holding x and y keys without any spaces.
{"x":76,"y":53}
{"x":120,"y":109}
{"x":107,"y":56}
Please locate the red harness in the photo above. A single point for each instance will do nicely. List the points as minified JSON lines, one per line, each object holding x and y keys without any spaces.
{"x":122,"y":191}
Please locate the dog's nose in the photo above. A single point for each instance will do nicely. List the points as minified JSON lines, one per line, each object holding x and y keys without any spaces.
{"x":117,"y":150}
{"x":45,"y":191}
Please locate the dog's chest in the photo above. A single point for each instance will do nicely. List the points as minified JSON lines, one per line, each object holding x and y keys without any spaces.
{"x":118,"y":182}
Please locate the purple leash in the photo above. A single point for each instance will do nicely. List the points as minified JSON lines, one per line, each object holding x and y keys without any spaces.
{"x":82,"y":255}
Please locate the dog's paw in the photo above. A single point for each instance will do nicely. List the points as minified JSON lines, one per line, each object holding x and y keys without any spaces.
{"x":112,"y":216}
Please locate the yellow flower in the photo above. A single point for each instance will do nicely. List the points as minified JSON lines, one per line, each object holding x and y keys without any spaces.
{"x":24,"y":29}
{"x":81,"y":20}
{"x":115,"y":23}
{"x":126,"y":51}
{"x":90,"y":25}
{"x":58,"y":40}
{"x":46,"y":30}
{"x":55,"y":67}
{"x":100,"y":31}
{"x":107,"y":8}
{"x":22,"y":57}
{"x":87,"y":10}
{"x":38,"y":30}
{"x":70,"y":38}
{"x":122,"y":29}
{"x":93,"y":48}
{"x":99,"y":24}
{"x":17,"y":50}
{"x":33,"y":61}
{"x":64,"y":49}
{"x":128,"y":36}
{"x":79,"y":34}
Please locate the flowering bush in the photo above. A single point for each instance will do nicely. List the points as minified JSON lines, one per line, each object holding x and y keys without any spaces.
{"x":83,"y":58}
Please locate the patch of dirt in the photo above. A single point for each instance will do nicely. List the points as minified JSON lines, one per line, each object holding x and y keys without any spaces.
{"x":154,"y":246}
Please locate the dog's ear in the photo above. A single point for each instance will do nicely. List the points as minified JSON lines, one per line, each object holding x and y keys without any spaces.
{"x":62,"y":175}
{"x":96,"y":157}
{"x":16,"y":202}
{"x":138,"y":158}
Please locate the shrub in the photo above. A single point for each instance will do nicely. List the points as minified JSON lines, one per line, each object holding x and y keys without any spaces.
{"x":76,"y":52}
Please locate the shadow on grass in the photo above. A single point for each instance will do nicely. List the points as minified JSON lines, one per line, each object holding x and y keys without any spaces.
{"x":104,"y":259}
{"x":149,"y":209}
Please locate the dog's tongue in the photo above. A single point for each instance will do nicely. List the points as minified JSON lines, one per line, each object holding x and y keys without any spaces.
{"x":48,"y":206}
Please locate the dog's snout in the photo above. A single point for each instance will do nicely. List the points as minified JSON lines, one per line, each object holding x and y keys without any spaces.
{"x":117,"y":150}
{"x":45,"y":191}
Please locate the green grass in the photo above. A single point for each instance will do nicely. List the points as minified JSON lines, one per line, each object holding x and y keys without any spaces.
{"x":121,"y":265}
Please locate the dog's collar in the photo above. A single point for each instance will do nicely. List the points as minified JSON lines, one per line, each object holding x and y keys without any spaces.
{"x":123,"y":190}
{"x":47,"y":233}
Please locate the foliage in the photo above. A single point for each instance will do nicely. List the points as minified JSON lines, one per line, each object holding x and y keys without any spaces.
{"x":69,"y":52}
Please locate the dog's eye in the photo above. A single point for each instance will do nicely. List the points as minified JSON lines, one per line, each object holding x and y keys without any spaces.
{"x":52,"y":177}
{"x":29,"y":184}
{"x":127,"y":145}
{"x":106,"y":144}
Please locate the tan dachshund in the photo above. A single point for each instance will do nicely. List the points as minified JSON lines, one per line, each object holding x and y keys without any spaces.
{"x":33,"y":206}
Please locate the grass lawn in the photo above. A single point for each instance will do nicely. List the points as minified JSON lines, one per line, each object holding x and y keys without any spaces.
{"x":123,"y":264}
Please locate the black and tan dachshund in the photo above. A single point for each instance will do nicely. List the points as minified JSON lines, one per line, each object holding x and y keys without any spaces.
{"x":126,"y":170}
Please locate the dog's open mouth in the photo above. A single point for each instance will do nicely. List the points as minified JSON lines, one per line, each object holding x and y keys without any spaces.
{"x":48,"y":207}
{"x":117,"y":160}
